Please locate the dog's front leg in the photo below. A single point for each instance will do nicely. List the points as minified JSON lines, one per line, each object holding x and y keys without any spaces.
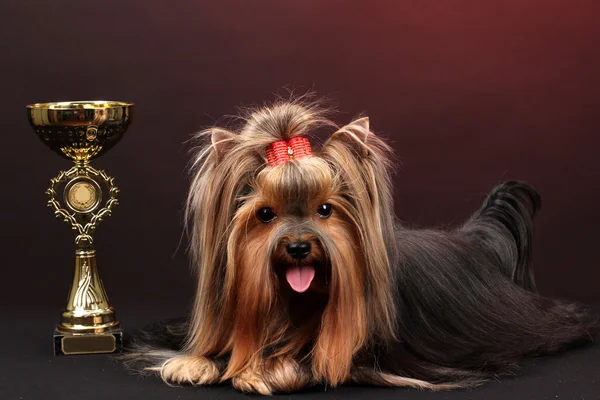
{"x":197,"y":370}
{"x":278,"y":375}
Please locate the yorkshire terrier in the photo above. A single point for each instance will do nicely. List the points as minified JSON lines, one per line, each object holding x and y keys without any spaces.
{"x":305,"y":277}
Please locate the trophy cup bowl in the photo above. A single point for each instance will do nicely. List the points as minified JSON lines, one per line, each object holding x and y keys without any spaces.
{"x":80,"y":130}
{"x":82,"y":197}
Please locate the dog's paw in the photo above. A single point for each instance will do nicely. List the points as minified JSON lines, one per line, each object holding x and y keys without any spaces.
{"x":279,"y":375}
{"x":196,"y":370}
{"x":286,"y":375}
{"x":249,"y":381}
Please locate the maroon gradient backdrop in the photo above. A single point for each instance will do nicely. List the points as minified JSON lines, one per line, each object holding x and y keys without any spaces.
{"x":468,"y":92}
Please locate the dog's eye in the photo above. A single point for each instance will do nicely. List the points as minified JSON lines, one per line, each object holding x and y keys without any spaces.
{"x":266,"y":215}
{"x":324,"y":210}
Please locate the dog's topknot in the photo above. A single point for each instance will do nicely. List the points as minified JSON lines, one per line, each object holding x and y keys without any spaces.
{"x":283,"y":121}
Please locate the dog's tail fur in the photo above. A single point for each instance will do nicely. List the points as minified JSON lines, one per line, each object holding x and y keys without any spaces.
{"x":466,"y":299}
{"x":508,"y":212}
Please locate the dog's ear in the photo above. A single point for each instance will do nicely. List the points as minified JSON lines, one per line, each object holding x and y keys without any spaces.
{"x":222,"y":141}
{"x":356,"y":138}
{"x":363,"y":125}
{"x":355,"y":135}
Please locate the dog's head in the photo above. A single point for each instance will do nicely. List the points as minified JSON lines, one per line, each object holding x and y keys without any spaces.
{"x":295,"y":224}
{"x":271,"y":234}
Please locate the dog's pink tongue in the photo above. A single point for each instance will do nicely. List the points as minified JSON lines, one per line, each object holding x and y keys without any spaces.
{"x":300,"y":277}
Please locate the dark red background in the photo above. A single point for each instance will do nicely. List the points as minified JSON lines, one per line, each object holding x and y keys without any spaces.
{"x":468,"y":92}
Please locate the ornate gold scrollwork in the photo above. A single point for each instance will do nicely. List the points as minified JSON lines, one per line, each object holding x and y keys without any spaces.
{"x":84,"y":229}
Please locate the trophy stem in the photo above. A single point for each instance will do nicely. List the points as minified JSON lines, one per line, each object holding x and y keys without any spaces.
{"x":87,"y":309}
{"x":82,"y":163}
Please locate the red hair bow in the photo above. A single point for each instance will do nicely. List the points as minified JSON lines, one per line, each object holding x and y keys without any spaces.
{"x":282,"y":151}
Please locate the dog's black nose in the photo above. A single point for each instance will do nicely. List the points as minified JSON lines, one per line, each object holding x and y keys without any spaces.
{"x":298,"y":250}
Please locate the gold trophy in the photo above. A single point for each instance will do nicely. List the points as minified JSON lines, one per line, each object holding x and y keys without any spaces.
{"x":82,"y":197}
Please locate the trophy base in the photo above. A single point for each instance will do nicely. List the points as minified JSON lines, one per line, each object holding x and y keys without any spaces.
{"x":87,"y":343}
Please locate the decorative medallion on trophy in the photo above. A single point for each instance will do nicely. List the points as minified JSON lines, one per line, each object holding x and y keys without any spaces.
{"x":82,"y":197}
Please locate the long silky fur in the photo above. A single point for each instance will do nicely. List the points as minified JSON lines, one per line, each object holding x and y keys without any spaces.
{"x":422,"y":308}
